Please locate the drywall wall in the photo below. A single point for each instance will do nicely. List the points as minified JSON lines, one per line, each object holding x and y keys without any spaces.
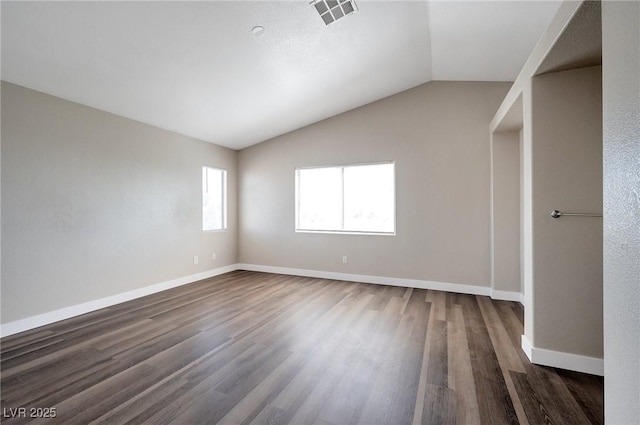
{"x":95,"y":204}
{"x":527,"y":221}
{"x":621,"y":126}
{"x":437,"y":134}
{"x":505,"y":151}
{"x":521,"y":195}
{"x":566,"y":160}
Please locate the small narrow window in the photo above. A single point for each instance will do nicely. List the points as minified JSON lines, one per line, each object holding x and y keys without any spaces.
{"x":214,"y":199}
{"x":346,"y":199}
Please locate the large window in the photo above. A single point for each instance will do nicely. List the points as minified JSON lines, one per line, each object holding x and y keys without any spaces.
{"x":351,"y":199}
{"x":214,"y":199}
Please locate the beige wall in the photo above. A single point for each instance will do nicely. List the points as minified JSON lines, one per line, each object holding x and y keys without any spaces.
{"x":621,"y":88}
{"x":566,"y":158}
{"x":438,"y":135}
{"x":95,"y":205}
{"x":506,"y":211}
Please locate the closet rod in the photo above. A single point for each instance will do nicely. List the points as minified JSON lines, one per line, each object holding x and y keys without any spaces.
{"x":558,"y":214}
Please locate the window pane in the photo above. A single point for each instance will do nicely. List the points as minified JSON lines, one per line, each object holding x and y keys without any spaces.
{"x":369,"y":198}
{"x":320,"y":199}
{"x":213,"y":199}
{"x":356,"y":198}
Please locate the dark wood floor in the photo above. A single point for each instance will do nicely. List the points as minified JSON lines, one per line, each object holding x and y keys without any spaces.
{"x":250,"y":347}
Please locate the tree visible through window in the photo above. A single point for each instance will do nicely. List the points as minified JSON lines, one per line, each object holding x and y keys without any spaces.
{"x":352,"y":199}
{"x":214,"y":199}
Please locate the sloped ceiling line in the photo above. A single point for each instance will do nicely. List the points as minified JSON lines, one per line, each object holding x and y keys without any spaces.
{"x":196,"y":68}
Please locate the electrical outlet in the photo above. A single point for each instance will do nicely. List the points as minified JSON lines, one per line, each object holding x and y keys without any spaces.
{"x":344,"y":259}
{"x":213,"y":256}
{"x":195,"y":259}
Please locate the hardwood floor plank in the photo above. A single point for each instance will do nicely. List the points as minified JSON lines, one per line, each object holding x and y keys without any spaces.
{"x":320,"y":359}
{"x":441,"y":406}
{"x":307,"y":408}
{"x":17,"y":340}
{"x":260,"y":348}
{"x":586,"y":391}
{"x":424,"y":368}
{"x":569,"y":407}
{"x":495,"y":403}
{"x":393,"y":395}
{"x":270,"y":415}
{"x":333,"y":366}
{"x":32,"y":384}
{"x":506,"y":353}
{"x":438,"y":367}
{"x":141,"y":407}
{"x":256,"y":400}
{"x":366,"y":356}
{"x":467,"y":409}
{"x":534,"y":408}
{"x":105,"y":396}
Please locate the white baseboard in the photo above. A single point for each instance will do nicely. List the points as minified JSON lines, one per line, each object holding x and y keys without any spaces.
{"x":568,"y":361}
{"x":78,"y":309}
{"x":508,"y":296}
{"x":392,"y":281}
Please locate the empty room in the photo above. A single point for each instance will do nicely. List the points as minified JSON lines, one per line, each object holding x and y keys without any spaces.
{"x":320,"y":212}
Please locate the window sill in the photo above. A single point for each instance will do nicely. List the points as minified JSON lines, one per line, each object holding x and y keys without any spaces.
{"x":351,"y":232}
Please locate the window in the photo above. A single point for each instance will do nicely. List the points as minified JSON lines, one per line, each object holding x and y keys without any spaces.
{"x":351,"y":199}
{"x":214,"y":199}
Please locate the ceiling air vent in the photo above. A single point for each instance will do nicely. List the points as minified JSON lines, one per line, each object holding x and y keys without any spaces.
{"x":332,"y":10}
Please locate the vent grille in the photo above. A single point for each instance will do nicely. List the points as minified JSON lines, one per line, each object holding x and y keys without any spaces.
{"x":332,"y":10}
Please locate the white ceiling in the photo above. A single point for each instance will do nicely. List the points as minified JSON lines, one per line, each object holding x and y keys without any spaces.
{"x":195,"y":68}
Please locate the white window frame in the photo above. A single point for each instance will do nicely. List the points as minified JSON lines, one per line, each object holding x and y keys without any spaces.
{"x":343,"y":232}
{"x":205,"y":169}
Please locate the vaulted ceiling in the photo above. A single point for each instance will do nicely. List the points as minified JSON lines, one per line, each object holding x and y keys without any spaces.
{"x":196,"y":68}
